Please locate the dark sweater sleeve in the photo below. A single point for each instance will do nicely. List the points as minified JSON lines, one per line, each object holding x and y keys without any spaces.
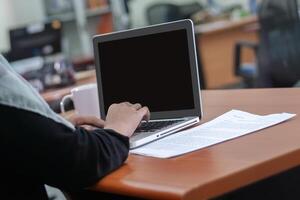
{"x":37,"y":147}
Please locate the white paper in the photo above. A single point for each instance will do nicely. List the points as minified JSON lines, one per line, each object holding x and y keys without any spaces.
{"x":230,"y":125}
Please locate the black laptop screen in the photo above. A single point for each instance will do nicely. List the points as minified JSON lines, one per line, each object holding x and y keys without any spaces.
{"x":153,"y":70}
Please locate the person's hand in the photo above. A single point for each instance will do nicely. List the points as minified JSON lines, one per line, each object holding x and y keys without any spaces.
{"x":124,"y":118}
{"x":88,"y":122}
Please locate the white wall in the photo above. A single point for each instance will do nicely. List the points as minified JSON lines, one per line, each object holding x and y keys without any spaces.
{"x":28,"y":11}
{"x":138,"y":8}
{"x":14,"y":13}
{"x":6,"y":18}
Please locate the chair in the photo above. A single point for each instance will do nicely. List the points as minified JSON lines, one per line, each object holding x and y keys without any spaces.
{"x":166,"y":12}
{"x":201,"y":76}
{"x":247,"y":71}
{"x":278,"y":53}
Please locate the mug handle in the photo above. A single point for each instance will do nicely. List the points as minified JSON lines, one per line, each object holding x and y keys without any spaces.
{"x":62,"y":103}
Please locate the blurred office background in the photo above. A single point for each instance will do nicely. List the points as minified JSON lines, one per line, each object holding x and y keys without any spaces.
{"x":238,"y":41}
{"x":83,"y":18}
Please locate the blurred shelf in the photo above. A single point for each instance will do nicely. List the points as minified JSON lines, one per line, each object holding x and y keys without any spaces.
{"x":70,"y":16}
{"x":98,"y":11}
{"x":64,"y":17}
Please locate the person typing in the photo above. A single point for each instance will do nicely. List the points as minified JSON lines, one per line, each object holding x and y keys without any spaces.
{"x":40,"y":147}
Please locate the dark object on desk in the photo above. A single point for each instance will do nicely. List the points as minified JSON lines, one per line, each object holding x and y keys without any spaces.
{"x":83,"y":64}
{"x":57,"y":73}
{"x":36,"y":54}
{"x":43,"y":73}
{"x":278,"y":60}
{"x":35,"y":40}
{"x":166,"y":12}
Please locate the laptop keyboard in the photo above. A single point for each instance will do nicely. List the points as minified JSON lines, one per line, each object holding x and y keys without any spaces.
{"x":154,"y":126}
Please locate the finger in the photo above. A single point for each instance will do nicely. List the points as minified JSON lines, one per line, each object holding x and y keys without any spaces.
{"x":137,"y":106}
{"x":144,"y":113}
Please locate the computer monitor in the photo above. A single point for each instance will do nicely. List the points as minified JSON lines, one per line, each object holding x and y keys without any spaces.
{"x":36,"y":40}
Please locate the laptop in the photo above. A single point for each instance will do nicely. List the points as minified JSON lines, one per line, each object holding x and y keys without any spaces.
{"x":155,"y":66}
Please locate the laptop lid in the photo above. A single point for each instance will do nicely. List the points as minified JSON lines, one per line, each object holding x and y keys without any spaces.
{"x":155,"y":66}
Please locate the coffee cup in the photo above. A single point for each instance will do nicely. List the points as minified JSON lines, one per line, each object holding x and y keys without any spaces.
{"x":85,"y":100}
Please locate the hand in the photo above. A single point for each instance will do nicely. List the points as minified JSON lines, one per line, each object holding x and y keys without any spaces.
{"x":88,"y":122}
{"x":124,"y":118}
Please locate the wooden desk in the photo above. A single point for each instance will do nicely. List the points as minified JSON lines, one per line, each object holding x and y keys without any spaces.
{"x":224,"y":167}
{"x":216,"y":43}
{"x":82,"y":78}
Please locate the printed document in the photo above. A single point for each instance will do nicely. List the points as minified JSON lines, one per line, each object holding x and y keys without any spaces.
{"x":228,"y":126}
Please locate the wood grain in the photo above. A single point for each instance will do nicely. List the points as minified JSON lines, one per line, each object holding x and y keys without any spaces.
{"x":220,"y":168}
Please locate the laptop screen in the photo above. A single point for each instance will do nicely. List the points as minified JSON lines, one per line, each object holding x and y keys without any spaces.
{"x":153,"y":70}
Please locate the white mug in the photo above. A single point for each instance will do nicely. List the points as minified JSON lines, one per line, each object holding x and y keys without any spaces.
{"x":85,"y":100}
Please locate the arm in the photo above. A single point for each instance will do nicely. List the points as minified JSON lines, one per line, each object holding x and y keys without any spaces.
{"x":39,"y":148}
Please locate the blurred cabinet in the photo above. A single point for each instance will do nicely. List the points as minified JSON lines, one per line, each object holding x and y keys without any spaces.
{"x":216,"y":43}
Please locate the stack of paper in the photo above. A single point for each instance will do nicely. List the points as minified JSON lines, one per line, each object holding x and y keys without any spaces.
{"x":230,"y":125}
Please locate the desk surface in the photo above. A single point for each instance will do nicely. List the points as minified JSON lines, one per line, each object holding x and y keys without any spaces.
{"x":58,"y":93}
{"x":224,"y":167}
{"x":223,"y":25}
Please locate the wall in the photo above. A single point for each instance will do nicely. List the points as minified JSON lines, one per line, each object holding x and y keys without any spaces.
{"x":14,"y":13}
{"x":19,"y":12}
{"x":28,"y":11}
{"x":6,"y":18}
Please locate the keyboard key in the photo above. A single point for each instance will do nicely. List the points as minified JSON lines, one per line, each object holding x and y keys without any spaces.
{"x":153,"y":126}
